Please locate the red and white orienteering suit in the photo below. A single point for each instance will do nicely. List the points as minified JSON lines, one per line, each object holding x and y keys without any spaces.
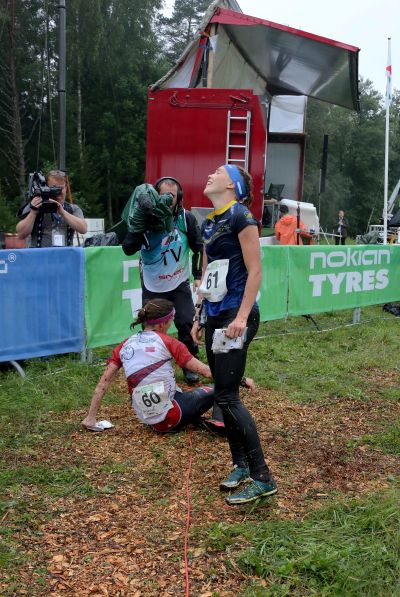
{"x":147,"y":361}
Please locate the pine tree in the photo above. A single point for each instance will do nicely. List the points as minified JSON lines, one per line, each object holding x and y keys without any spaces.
{"x":179,"y":28}
{"x":112,"y":56}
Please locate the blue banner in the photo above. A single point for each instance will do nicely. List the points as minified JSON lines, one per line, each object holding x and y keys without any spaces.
{"x":41,"y":302}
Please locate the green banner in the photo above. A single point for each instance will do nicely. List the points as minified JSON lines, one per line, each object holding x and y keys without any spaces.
{"x":112,"y":294}
{"x":326,"y":278}
{"x":273,"y":293}
{"x":313,"y":279}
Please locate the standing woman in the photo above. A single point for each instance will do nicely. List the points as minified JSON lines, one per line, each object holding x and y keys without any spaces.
{"x":230,"y":283}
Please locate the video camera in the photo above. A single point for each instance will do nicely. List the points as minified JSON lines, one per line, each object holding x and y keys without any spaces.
{"x":38,"y":187}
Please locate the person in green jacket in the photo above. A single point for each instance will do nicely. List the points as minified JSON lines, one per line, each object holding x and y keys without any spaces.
{"x":163,"y":231}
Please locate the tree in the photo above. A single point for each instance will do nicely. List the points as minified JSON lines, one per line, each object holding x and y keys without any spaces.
{"x":112,"y":56}
{"x":114,"y":75}
{"x":179,"y":28}
{"x":365,"y":158}
{"x":336,"y":122}
{"x":27,"y":42}
{"x":355,"y":159}
{"x":11,"y":130}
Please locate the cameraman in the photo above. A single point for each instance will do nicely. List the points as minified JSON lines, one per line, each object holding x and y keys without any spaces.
{"x":55,"y":228}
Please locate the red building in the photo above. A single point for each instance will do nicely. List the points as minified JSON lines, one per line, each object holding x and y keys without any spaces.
{"x":238,"y":94}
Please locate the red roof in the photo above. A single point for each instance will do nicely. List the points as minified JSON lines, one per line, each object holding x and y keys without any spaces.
{"x":222,"y":15}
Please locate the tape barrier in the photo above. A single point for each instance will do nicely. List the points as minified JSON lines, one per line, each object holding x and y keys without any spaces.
{"x":41,"y":302}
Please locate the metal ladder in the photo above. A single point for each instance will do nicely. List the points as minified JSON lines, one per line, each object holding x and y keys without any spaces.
{"x":231,"y":133}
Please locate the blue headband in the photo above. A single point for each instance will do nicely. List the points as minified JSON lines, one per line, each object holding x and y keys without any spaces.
{"x":238,"y":182}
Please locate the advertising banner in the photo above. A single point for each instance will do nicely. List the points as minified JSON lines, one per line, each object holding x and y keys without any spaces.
{"x":41,"y":302}
{"x":112,"y":295}
{"x":273,"y":293}
{"x":113,"y":291}
{"x":326,"y":278}
{"x":42,"y":292}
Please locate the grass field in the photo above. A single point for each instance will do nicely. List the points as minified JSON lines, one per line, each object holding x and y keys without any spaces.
{"x":104,"y":514}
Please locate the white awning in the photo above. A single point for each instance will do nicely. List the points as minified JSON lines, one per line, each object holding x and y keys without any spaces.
{"x":269,"y":58}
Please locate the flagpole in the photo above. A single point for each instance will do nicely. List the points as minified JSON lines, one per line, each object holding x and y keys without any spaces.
{"x":386,"y":180}
{"x":385,"y":196}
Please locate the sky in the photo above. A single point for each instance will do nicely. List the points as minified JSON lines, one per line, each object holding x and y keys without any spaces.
{"x":365,"y":24}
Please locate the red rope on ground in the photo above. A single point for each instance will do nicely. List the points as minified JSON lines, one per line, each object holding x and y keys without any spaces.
{"x":187,"y":515}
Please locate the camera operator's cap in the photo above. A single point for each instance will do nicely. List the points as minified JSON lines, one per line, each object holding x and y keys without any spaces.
{"x":283,"y":209}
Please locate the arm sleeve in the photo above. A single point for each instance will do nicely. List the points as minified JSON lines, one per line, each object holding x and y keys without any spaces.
{"x":195,"y":243}
{"x":76,"y":211}
{"x":115,"y":358}
{"x":132,"y":242}
{"x":178,"y":350}
{"x":241,"y":219}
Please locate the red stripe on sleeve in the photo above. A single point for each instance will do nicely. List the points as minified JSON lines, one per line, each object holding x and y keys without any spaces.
{"x":115,"y":359}
{"x":178,"y":350}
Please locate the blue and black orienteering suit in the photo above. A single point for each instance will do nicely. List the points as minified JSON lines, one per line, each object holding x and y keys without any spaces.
{"x":220,"y":233}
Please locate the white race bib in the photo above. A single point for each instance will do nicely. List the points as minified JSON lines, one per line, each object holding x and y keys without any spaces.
{"x":213,"y":286}
{"x":152,"y":400}
{"x":58,"y":239}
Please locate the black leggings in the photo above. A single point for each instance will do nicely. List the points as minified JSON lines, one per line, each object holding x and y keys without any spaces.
{"x":228,"y":370}
{"x":193,"y":404}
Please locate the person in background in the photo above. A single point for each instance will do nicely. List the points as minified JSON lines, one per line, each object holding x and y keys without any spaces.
{"x":286,"y":229}
{"x":147,"y":358}
{"x":340,"y":229}
{"x":230,"y":283}
{"x":51,"y":229}
{"x":165,"y":264}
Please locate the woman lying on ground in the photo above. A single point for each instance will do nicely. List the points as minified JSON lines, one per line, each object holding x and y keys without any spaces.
{"x":147,"y":360}
{"x":230,"y":283}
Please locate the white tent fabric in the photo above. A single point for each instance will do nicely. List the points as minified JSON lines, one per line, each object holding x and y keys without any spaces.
{"x":287,"y":114}
{"x":181,"y":77}
{"x":231,"y":69}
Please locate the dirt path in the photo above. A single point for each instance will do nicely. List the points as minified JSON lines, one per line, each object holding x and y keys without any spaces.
{"x":127,"y":539}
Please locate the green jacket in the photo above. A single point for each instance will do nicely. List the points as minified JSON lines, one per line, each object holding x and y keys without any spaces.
{"x":147,"y":210}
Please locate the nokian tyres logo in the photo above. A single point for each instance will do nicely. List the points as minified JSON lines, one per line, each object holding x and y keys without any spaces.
{"x":360,"y":279}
